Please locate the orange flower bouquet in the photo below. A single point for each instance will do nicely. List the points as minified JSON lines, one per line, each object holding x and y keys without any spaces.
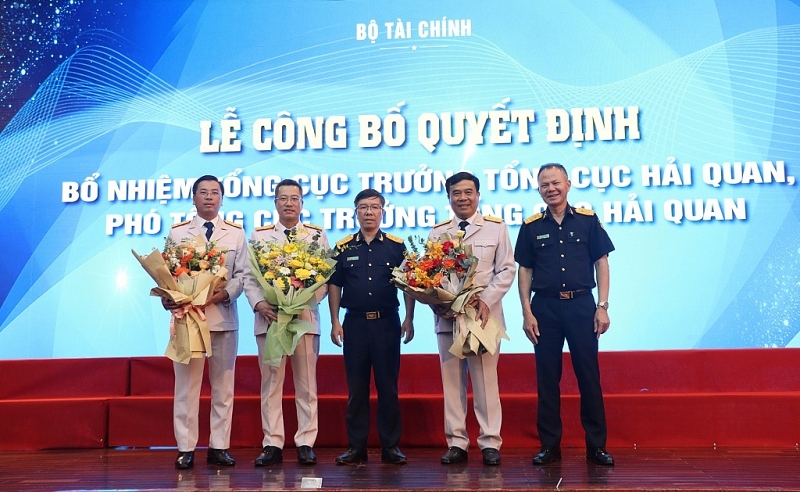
{"x":187,"y":274}
{"x":444,"y":275}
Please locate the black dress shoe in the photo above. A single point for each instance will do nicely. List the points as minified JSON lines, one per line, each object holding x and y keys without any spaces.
{"x":271,"y":455}
{"x":547,"y":456}
{"x":454,"y":455}
{"x":185,"y":460}
{"x":598,"y":456}
{"x":220,"y":457}
{"x":306,"y":456}
{"x":491,"y":456}
{"x":352,"y":456}
{"x":393,"y":456}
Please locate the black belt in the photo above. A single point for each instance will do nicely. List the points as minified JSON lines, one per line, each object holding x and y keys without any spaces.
{"x":370,"y":314}
{"x":564,"y":294}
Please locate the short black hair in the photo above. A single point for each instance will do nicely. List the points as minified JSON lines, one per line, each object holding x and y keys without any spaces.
{"x":553,"y":165}
{"x":368,"y":193}
{"x":206,"y":177}
{"x":288,"y":182}
{"x":461,"y":176}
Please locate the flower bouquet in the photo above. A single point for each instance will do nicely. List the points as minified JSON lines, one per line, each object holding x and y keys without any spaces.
{"x":444,"y":275}
{"x":187,"y":274}
{"x":289,"y":274}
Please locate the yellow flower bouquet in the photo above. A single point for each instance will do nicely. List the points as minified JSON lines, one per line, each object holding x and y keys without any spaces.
{"x":444,"y":274}
{"x":289,"y":274}
{"x":187,"y":274}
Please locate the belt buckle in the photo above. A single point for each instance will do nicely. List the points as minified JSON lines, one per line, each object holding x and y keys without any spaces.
{"x":565,"y":295}
{"x":373,"y":314}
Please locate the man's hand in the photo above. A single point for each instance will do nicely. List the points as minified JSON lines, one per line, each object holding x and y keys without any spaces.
{"x":483,"y":313}
{"x":219,"y":295}
{"x":169,"y":304}
{"x":337,"y":333}
{"x":531,"y":327}
{"x":266,"y":310}
{"x":407,"y":330}
{"x":601,"y":321}
{"x":443,"y":311}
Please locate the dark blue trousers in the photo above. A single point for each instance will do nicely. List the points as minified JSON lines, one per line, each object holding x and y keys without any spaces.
{"x":372,"y":346}
{"x":573,"y":320}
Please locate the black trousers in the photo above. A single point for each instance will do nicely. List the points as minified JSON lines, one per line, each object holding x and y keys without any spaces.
{"x":372,"y":346}
{"x":573,"y":320}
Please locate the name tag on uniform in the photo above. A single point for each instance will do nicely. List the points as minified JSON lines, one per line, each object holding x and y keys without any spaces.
{"x":351,"y":258}
{"x":543,"y":236}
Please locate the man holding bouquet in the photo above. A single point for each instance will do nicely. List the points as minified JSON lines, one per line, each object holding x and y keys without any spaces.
{"x":490,"y":243}
{"x":288,"y":204}
{"x":223,"y":324}
{"x":371,"y":330}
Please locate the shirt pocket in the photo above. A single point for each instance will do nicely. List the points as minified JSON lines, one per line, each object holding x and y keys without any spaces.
{"x":577,"y":246}
{"x":546,"y":250}
{"x":352,"y":265}
{"x":484,"y":250}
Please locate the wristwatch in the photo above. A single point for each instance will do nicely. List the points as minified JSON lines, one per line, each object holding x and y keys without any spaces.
{"x":603,"y":305}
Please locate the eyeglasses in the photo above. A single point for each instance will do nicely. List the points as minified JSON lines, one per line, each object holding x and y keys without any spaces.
{"x":205,"y":193}
{"x":288,"y":199}
{"x":371,"y":208}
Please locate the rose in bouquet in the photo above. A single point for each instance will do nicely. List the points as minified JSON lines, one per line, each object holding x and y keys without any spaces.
{"x":186,"y":273}
{"x":289,"y":274}
{"x":443,"y":274}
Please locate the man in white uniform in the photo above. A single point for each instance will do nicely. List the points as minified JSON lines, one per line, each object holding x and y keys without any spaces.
{"x":496,"y":268}
{"x":223,"y":323}
{"x":289,"y":204}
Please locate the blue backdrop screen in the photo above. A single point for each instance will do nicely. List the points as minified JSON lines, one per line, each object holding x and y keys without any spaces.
{"x":678,"y":124}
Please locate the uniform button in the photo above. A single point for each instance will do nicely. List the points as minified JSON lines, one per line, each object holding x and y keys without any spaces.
{"x":562,"y":256}
{"x":559,"y":228}
{"x":562,"y":242}
{"x":563,"y":285}
{"x":563,"y":269}
{"x":370,"y":293}
{"x":578,"y":240}
{"x":369,"y":278}
{"x":542,"y":244}
{"x":369,"y":264}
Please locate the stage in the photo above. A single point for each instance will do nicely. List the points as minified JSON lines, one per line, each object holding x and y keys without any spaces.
{"x":636,"y":469}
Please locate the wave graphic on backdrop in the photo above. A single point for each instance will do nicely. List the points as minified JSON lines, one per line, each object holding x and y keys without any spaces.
{"x":743,"y":94}
{"x":96,"y":91}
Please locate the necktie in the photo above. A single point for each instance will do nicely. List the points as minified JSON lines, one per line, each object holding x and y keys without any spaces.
{"x":209,"y":229}
{"x":290,"y":232}
{"x":463,"y":225}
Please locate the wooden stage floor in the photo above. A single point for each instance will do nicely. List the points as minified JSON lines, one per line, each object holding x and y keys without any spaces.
{"x":642,"y":469}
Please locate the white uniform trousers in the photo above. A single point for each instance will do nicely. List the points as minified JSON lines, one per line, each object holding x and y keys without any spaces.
{"x":189,"y":379}
{"x":485,"y":394}
{"x":304,"y":372}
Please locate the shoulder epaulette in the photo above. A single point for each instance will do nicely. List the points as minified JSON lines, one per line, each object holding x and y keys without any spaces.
{"x":533,"y":218}
{"x":266,"y":228}
{"x":394,"y":238}
{"x":440,"y":224}
{"x":181,"y":223}
{"x":313,"y":226}
{"x":584,"y":211}
{"x":234,"y":224}
{"x":492,"y":218}
{"x":344,"y":240}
